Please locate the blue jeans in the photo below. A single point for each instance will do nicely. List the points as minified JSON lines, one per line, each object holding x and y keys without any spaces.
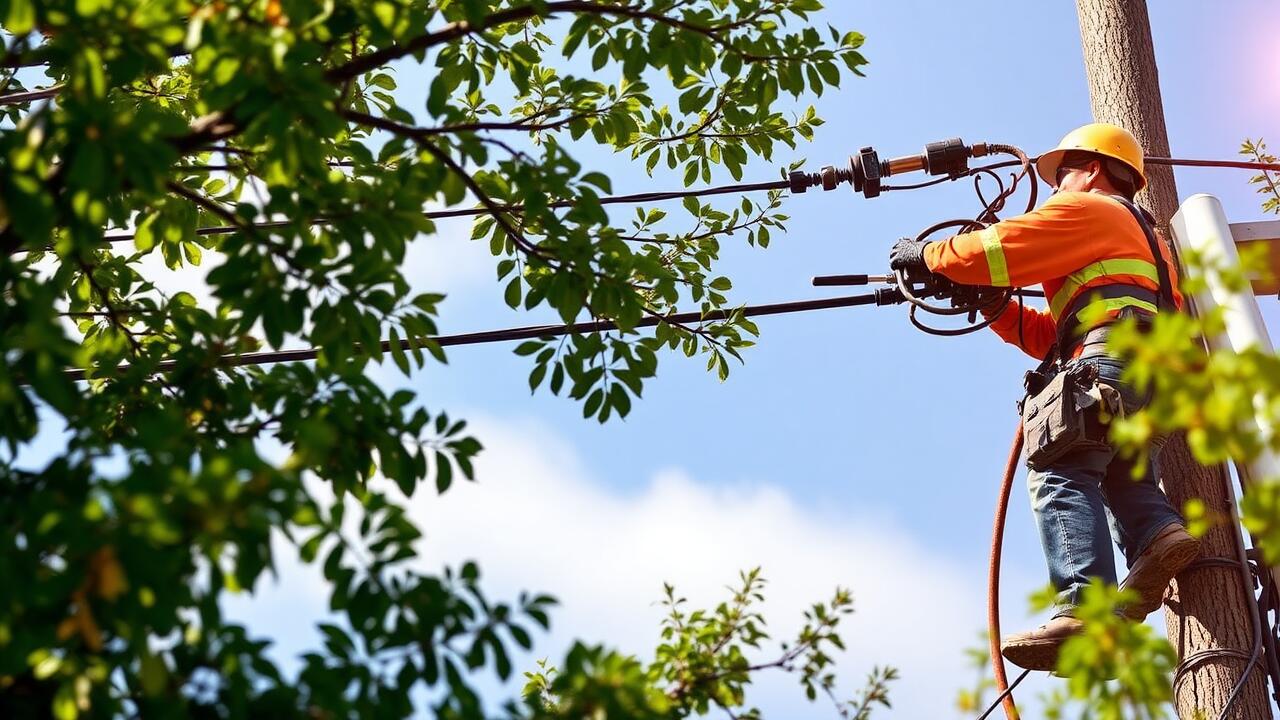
{"x":1076,"y":498}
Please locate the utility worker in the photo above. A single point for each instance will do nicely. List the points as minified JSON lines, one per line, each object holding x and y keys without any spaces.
{"x":1087,"y":243}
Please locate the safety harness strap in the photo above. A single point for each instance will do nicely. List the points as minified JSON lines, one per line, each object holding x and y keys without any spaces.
{"x":1145,"y":221}
{"x":1095,"y":271}
{"x":1111,"y":298}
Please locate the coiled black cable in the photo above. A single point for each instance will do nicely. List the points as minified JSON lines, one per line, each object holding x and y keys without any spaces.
{"x":990,"y":302}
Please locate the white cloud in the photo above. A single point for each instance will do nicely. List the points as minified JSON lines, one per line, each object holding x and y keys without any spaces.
{"x":538,"y":520}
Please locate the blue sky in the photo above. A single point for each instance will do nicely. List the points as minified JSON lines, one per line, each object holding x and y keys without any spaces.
{"x":850,"y":449}
{"x":852,"y":414}
{"x":830,"y":400}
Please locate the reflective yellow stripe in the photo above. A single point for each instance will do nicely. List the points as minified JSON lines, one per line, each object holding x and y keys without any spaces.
{"x":1112,"y":304}
{"x":1093,"y":271}
{"x":995,"y":256}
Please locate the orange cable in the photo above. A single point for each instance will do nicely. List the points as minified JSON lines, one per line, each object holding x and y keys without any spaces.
{"x":993,"y":578}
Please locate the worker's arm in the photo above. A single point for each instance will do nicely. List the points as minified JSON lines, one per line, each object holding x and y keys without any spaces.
{"x":1048,"y":242}
{"x":1027,"y":328}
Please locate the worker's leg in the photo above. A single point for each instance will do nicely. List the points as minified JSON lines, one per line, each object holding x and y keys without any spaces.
{"x":1150,"y":532}
{"x":1070,"y":514}
{"x":1146,"y":526}
{"x":1068,"y":505}
{"x":1139,"y":508}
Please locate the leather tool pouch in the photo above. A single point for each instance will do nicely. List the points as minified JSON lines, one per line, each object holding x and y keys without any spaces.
{"x":1055,"y":417}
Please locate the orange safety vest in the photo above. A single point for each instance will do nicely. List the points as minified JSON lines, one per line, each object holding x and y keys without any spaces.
{"x":1073,"y":244}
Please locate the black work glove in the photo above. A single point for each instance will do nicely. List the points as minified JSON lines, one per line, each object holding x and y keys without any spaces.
{"x":908,"y":254}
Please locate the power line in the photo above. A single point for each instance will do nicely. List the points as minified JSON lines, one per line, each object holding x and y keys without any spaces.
{"x":36,"y":57}
{"x":539,"y":331}
{"x":1000,"y":698}
{"x":310,"y":353}
{"x":660,"y":196}
{"x":224,"y":167}
{"x":1239,"y":164}
{"x":516,"y":207}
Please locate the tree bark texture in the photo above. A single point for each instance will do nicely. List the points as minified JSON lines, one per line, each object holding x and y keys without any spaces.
{"x":1206,"y":612}
{"x":1124,"y":88}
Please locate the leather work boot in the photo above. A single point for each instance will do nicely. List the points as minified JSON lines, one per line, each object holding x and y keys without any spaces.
{"x":1164,"y":557}
{"x":1038,"y":649}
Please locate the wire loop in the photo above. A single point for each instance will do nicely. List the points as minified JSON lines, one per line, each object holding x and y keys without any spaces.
{"x":990,"y":302}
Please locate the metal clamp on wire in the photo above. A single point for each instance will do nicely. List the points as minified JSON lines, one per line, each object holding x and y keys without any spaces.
{"x":866,"y":169}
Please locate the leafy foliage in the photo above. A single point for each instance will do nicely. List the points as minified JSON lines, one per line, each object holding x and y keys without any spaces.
{"x":702,"y":664}
{"x":1257,"y":152}
{"x":973,"y":700}
{"x":1114,"y":668}
{"x":1111,"y":647}
{"x":1208,"y":395}
{"x":268,"y":139}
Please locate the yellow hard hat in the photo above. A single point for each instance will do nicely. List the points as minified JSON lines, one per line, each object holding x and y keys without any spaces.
{"x":1104,"y":139}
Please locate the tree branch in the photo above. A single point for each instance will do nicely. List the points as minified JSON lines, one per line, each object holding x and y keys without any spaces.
{"x":27,"y":96}
{"x":706,"y":122}
{"x":301,"y":271}
{"x":462,"y":28}
{"x":421,"y":137}
{"x":521,"y":124}
{"x":11,"y":55}
{"x":207,"y":129}
{"x":112,"y":313}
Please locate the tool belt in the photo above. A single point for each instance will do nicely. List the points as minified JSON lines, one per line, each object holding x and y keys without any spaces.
{"x":1054,"y":418}
{"x":1060,"y":413}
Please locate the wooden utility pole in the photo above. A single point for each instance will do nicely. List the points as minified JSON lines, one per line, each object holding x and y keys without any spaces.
{"x":1208,"y":615}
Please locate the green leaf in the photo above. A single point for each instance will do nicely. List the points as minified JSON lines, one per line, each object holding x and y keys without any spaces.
{"x":88,"y":76}
{"x":64,"y":702}
{"x":512,"y":293}
{"x":307,"y":552}
{"x":621,"y":402}
{"x":598,"y":179}
{"x":153,"y":674}
{"x":21,"y":18}
{"x":690,"y":173}
{"x":529,"y":347}
{"x":693,"y":99}
{"x":144,"y":238}
{"x":88,"y":8}
{"x":444,"y":473}
{"x":535,"y":377}
{"x":600,"y":57}
{"x":557,"y":379}
{"x":192,"y":253}
{"x":383,"y":80}
{"x":593,"y":403}
{"x":398,"y":353}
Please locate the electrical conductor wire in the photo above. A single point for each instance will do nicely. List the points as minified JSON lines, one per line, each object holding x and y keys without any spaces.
{"x":680,"y":194}
{"x":529,"y":332}
{"x":516,"y":207}
{"x":1000,"y":698}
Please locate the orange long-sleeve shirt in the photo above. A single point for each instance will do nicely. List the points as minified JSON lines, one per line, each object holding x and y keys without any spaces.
{"x":1074,"y":242}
